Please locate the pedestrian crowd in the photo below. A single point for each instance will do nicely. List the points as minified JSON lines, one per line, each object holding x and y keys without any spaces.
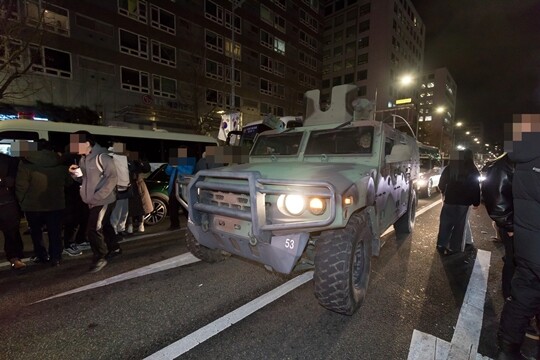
{"x":511,"y":195}
{"x":85,"y":194}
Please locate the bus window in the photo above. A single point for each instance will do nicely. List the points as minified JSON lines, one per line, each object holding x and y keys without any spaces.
{"x":8,"y":137}
{"x":150,"y":144}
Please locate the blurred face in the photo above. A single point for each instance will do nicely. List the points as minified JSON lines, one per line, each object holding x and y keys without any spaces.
{"x":78,"y":145}
{"x":177,"y":155}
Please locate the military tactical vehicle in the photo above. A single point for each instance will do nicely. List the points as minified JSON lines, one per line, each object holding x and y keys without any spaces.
{"x":317,"y":196}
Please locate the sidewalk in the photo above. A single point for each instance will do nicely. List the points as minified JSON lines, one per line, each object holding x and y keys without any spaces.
{"x":149,"y":231}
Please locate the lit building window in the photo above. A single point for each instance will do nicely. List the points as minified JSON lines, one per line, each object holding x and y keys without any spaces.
{"x":55,"y":18}
{"x":135,"y":9}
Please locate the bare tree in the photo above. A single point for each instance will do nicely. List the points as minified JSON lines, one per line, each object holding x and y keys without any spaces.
{"x":16,"y":36}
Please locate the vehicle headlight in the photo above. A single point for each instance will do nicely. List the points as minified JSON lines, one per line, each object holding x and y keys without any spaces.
{"x":481,"y":178}
{"x":293,"y":204}
{"x":317,"y":206}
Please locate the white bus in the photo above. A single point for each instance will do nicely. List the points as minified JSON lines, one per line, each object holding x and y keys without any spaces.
{"x":152,"y":145}
{"x":250,"y":131}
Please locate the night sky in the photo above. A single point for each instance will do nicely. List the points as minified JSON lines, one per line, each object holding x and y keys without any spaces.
{"x":492,"y":50}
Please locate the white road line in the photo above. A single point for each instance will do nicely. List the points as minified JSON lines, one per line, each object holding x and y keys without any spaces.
{"x":466,"y":336}
{"x":469,"y":325}
{"x":195,"y":338}
{"x":171,"y":263}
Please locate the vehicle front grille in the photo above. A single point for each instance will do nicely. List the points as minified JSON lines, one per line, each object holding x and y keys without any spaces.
{"x":226,"y":199}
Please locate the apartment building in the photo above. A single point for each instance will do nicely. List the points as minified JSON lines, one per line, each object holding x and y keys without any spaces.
{"x":437,"y":108}
{"x":373,"y":44}
{"x":169,"y":63}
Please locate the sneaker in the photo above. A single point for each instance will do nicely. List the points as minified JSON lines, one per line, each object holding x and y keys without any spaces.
{"x":130,"y":229}
{"x":113,"y":253}
{"x":38,"y":260}
{"x":84,"y":245}
{"x":141,"y":227}
{"x":73,"y":250}
{"x":100,"y":264}
{"x":532,"y":330}
{"x":17,"y":264}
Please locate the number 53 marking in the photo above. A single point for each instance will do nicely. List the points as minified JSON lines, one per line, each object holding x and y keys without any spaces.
{"x":289,"y":243}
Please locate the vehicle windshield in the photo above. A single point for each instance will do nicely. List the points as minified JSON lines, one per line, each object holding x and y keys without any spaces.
{"x":277,"y":144}
{"x":429,"y":163}
{"x":353,"y":140}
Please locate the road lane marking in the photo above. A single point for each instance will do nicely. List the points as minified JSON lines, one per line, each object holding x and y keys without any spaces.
{"x":171,"y":263}
{"x":418,"y":213}
{"x":466,"y":336}
{"x":190,"y":341}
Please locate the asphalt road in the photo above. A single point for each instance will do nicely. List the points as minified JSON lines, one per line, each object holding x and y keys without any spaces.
{"x":153,"y":296}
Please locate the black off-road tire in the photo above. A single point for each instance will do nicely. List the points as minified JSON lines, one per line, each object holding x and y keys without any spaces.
{"x":202,"y":252}
{"x":405,"y":224}
{"x":342,"y":266}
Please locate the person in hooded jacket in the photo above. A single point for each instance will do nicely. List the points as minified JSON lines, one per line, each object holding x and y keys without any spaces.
{"x":460,"y":188}
{"x":97,"y":174}
{"x":39,"y":186}
{"x":524,"y":302}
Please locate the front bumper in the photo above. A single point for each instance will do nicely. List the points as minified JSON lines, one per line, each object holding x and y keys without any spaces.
{"x":231,"y":211}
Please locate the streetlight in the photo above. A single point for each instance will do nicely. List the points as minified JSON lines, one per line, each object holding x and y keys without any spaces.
{"x":459,"y":124}
{"x":440,"y":110}
{"x":406,"y":80}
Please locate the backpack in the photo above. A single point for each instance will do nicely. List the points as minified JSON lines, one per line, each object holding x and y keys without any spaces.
{"x":123,"y":184}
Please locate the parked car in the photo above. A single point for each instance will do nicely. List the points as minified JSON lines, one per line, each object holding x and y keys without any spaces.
{"x":158,"y":185}
{"x":428,"y":179}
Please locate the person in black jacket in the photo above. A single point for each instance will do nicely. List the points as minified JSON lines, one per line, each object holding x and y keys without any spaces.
{"x":460,"y":188}
{"x":498,"y":200}
{"x":524,"y":303}
{"x":10,"y":213}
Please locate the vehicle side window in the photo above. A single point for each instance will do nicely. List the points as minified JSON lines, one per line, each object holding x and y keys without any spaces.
{"x":7,"y":138}
{"x":388,"y":144}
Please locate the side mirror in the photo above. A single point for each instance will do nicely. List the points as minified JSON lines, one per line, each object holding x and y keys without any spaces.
{"x":236,"y":133}
{"x":399,"y":153}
